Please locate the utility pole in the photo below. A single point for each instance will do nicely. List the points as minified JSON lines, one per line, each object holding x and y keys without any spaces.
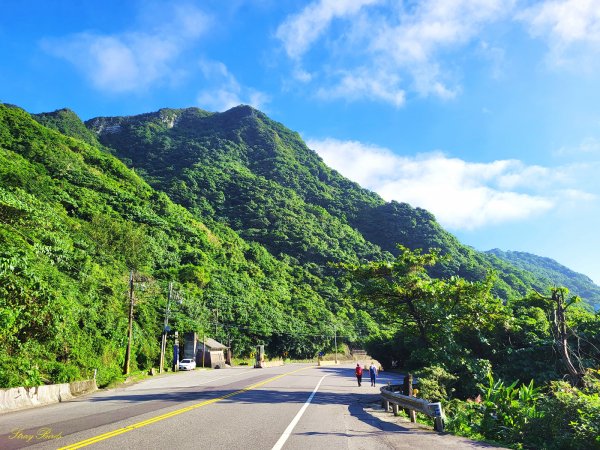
{"x":228,"y":359}
{"x":203,"y":347}
{"x":216,"y":321}
{"x":335,"y":341}
{"x":130,"y":333}
{"x":163,"y":344}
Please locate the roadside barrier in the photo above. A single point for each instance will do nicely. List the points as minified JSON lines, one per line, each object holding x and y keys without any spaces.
{"x":22,"y":397}
{"x":391,"y":396}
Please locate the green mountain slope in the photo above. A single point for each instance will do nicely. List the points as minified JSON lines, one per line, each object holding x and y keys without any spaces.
{"x":67,"y":122}
{"x":555,"y":273}
{"x":243,"y":169}
{"x":74,"y":221}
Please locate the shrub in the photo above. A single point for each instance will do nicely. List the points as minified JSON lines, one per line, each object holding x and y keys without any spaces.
{"x":435,"y":383}
{"x":502,"y":412}
{"x":569,"y":419}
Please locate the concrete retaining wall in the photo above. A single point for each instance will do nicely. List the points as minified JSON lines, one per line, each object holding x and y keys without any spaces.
{"x":333,"y":363}
{"x":20,"y":397}
{"x":327,"y":363}
{"x":274,"y":363}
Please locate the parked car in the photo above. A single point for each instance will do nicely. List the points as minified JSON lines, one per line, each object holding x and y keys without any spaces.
{"x":187,"y":364}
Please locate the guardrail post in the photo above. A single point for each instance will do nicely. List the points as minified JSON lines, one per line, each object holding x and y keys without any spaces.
{"x":386,"y":405}
{"x":406,"y":383}
{"x":395,"y":408}
{"x":408,"y":390}
{"x":438,"y":416}
{"x":438,"y":424}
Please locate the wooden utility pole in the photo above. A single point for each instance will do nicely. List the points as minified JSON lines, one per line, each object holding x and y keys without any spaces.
{"x":228,"y":358}
{"x":203,"y":348}
{"x":163,"y":344}
{"x":130,"y":332}
{"x":335,"y":342}
{"x":216,"y":310}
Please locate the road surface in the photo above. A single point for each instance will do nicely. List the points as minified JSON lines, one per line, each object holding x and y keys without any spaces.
{"x":290,"y":407}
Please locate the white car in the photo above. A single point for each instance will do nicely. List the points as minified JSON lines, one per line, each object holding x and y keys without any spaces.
{"x":187,"y":364}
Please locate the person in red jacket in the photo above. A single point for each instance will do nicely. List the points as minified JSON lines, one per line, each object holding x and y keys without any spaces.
{"x":358,"y":372}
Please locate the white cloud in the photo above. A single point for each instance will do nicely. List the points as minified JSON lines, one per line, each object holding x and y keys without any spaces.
{"x":577,"y":194}
{"x":302,"y":75}
{"x":404,"y":43}
{"x":226,"y":92}
{"x":434,"y":25}
{"x":566,"y":21}
{"x":589,"y":146}
{"x":362,"y":83}
{"x":496,"y":56}
{"x":298,"y":32}
{"x":461,"y":194}
{"x":571,"y":27}
{"x":131,"y":61}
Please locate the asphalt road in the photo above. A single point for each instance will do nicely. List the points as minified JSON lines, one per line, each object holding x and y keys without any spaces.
{"x":290,"y":407}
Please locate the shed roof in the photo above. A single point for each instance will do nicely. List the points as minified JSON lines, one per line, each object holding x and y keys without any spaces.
{"x":211,"y":344}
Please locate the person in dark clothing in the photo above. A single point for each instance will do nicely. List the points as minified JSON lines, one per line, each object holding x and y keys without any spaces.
{"x":373,"y":373}
{"x":359,"y":373}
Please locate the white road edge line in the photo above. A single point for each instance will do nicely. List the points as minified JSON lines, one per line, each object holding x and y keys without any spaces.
{"x":288,"y":431}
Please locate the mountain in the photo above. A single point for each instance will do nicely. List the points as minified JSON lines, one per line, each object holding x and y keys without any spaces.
{"x":245,"y":170}
{"x":74,"y":221}
{"x":67,"y":122}
{"x":232,"y":207}
{"x":555,"y":273}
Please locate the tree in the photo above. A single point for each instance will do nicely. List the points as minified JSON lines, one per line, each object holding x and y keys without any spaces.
{"x":556,"y":306}
{"x":450,"y":321}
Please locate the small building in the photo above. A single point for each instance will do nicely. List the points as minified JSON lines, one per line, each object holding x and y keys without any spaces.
{"x":211,"y":354}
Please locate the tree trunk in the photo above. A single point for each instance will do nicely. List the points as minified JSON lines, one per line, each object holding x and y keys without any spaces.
{"x":560,"y":333}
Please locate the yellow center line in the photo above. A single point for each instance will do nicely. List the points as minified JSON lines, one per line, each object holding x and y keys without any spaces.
{"x":135,"y":426}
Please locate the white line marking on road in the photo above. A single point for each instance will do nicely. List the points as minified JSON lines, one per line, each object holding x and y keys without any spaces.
{"x":288,"y":431}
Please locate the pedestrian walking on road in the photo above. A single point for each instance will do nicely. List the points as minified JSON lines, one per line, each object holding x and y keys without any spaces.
{"x":373,"y":373}
{"x":358,"y":372}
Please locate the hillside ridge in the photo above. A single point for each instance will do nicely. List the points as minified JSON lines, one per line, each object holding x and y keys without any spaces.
{"x":244,"y":169}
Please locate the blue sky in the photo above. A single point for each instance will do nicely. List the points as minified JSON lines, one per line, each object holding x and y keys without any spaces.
{"x":485,"y":112}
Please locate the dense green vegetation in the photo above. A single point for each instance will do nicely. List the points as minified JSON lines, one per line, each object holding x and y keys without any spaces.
{"x":555,"y":273}
{"x":235,"y":168}
{"x":74,"y":221}
{"x":556,"y":416}
{"x":67,"y":122}
{"x":463,"y":342}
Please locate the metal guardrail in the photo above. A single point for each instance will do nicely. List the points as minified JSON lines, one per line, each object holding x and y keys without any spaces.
{"x":391,"y":396}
